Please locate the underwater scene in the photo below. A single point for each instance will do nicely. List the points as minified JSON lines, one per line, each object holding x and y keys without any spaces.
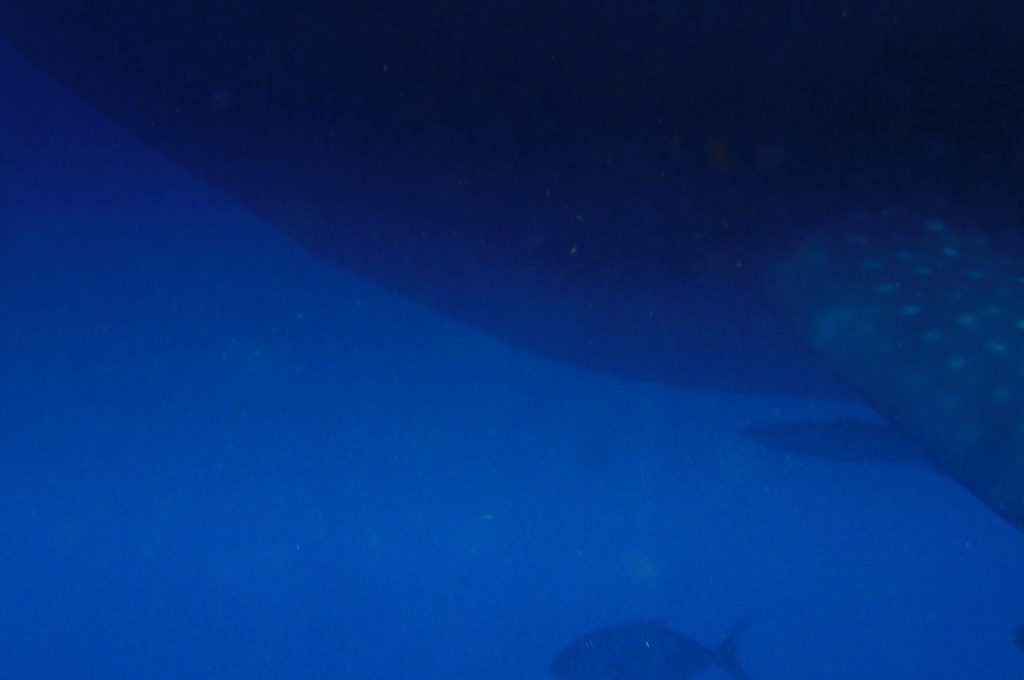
{"x":448,"y":339}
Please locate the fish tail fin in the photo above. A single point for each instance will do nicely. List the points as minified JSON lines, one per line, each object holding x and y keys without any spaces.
{"x":725,"y":655}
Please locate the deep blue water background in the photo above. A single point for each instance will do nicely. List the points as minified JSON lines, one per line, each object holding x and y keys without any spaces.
{"x":223,"y":457}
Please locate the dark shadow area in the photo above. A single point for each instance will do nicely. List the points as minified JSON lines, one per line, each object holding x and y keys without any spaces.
{"x":591,"y":182}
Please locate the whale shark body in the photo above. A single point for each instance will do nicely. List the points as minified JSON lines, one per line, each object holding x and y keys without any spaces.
{"x":604,"y":218}
{"x":649,"y":215}
{"x":925,"y":319}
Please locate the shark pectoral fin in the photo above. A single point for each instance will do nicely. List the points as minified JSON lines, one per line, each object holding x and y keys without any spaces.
{"x":926,"y":321}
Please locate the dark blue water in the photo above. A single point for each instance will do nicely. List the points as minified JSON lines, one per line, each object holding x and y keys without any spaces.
{"x":222,"y":457}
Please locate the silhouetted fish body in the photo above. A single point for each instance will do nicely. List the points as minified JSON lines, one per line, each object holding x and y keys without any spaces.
{"x":644,"y":651}
{"x":846,"y":440}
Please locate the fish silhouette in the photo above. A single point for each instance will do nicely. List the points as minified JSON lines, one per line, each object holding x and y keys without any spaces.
{"x":645,"y":651}
{"x":844,"y":440}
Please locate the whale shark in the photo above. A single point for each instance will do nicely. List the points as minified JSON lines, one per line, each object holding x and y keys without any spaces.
{"x":673,"y":227}
{"x":692,"y":211}
{"x":925,"y":318}
{"x":614,"y":211}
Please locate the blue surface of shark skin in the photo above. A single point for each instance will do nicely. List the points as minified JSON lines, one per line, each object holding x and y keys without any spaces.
{"x":926,"y":320}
